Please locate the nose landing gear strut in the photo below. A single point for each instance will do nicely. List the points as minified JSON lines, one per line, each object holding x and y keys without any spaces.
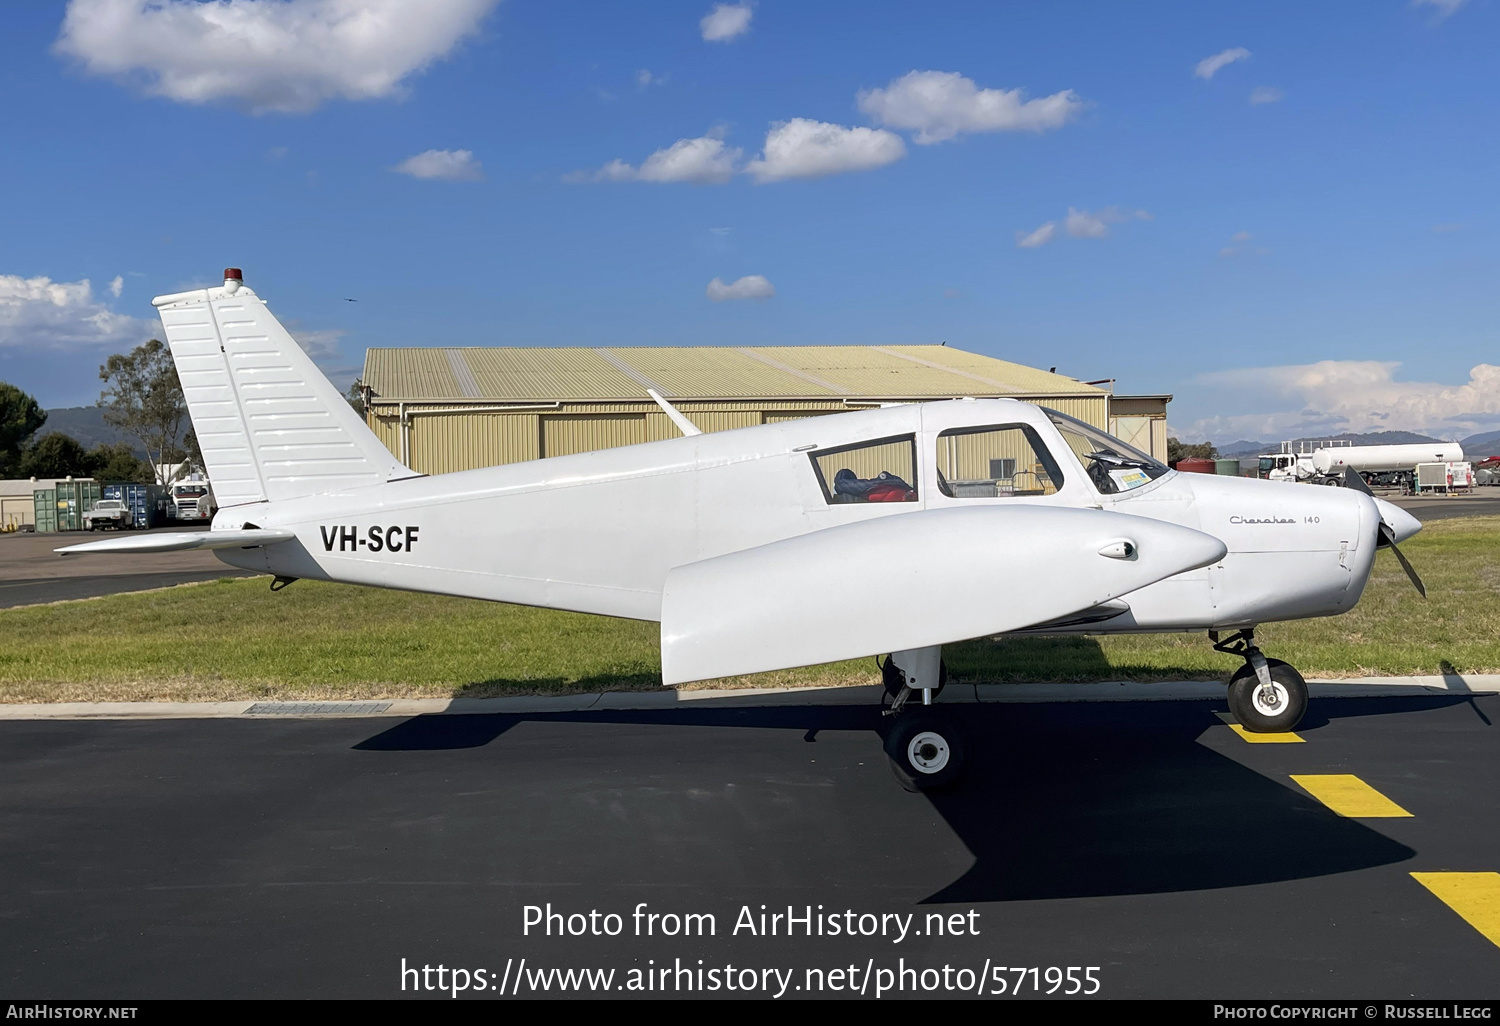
{"x":1267,"y":696}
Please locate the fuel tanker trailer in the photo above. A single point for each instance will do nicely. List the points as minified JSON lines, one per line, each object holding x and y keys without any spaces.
{"x":1330,"y":464}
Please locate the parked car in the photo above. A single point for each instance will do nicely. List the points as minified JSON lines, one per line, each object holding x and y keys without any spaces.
{"x":109,"y":513}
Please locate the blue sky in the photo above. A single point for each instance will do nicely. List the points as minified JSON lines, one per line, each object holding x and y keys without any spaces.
{"x":1297,"y":237}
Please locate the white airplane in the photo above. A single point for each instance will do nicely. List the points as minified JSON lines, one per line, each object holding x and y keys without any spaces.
{"x":896,"y":530}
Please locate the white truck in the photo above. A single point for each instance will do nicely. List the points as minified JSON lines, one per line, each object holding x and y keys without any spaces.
{"x":109,"y":513}
{"x":1327,"y":462}
{"x":192,"y":500}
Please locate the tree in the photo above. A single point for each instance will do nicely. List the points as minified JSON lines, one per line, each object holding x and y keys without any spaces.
{"x":56,"y":455}
{"x":1177,"y":450}
{"x":143,"y":397}
{"x":118,"y":462}
{"x":356,"y":397}
{"x":20,"y":417}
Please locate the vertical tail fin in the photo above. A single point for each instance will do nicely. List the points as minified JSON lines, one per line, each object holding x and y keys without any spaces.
{"x":270,"y":425}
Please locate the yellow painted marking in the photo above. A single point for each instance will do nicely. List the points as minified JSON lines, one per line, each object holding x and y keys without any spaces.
{"x":1475,"y":896}
{"x":1287,"y":738}
{"x":1348,"y":795}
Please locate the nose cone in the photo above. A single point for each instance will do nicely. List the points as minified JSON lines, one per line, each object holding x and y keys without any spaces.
{"x":1402,"y":524}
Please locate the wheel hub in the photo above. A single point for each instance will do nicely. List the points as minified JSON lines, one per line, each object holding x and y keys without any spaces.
{"x":928,"y":752}
{"x":1270,"y":700}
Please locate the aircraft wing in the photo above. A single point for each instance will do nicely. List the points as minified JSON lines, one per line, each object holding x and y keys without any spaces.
{"x":180,"y":540}
{"x":909,"y":581}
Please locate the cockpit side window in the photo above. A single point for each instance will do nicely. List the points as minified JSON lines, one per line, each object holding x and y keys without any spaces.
{"x":881,"y":470}
{"x":1113,"y":466}
{"x":1004,"y":461}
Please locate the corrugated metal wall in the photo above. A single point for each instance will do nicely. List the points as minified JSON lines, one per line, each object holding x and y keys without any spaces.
{"x":566,"y":434}
{"x":971,"y":456}
{"x":1092,"y":410}
{"x":443,"y":442}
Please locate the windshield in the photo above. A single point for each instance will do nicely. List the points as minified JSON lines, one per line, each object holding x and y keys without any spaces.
{"x":1113,"y":466}
{"x":189,"y":491}
{"x":108,"y":504}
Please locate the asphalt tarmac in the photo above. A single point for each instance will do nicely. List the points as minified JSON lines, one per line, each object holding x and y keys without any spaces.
{"x":1480,"y":502}
{"x":309,"y":858}
{"x":31,"y":573}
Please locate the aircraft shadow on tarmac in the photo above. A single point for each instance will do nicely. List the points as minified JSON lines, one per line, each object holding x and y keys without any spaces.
{"x":1069,"y":800}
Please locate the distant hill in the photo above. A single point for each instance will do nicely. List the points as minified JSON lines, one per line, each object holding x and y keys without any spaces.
{"x":86,"y":425}
{"x":1243,"y":448}
{"x":1477,"y":447}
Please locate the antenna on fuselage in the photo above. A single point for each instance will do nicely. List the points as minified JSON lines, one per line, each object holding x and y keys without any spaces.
{"x":684,"y":425}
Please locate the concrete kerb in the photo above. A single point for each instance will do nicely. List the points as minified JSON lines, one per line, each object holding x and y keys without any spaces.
{"x":731,"y":698}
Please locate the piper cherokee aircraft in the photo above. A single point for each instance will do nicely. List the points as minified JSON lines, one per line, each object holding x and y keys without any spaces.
{"x":895,"y":530}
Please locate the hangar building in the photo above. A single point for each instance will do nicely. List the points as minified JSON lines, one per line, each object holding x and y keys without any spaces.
{"x":446,"y":409}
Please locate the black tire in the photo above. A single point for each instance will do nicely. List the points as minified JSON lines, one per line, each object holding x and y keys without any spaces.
{"x":925,"y":749}
{"x":1253,"y":713}
{"x":894,"y":680}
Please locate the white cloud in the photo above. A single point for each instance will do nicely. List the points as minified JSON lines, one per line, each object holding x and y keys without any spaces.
{"x":1040,"y":237}
{"x":1080,"y":224}
{"x":443,"y":165}
{"x":1209,"y":66}
{"x":752,"y":286}
{"x":1350,"y":395}
{"x":1444,"y":7}
{"x":1266,"y":94}
{"x":938,"y":105}
{"x":803,"y":148}
{"x":322,"y":345}
{"x":266,"y":55}
{"x":117,"y":286}
{"x":1237,"y":246}
{"x":702,"y":161}
{"x":644,"y":79}
{"x":45,"y":314}
{"x":726,"y":22}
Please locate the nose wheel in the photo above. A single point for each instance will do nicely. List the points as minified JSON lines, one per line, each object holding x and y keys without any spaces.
{"x":923,"y":741}
{"x":1266,"y":696}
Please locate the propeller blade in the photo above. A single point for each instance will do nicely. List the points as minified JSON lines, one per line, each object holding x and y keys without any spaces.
{"x":1389,"y":538}
{"x":1354,"y":479}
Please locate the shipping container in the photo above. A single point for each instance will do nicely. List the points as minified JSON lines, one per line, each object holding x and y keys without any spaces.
{"x":1229,"y":468}
{"x":147,"y":502}
{"x":45,"y":508}
{"x":71,"y":500}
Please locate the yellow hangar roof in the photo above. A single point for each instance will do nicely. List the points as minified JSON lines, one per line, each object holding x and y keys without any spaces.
{"x":701,"y":372}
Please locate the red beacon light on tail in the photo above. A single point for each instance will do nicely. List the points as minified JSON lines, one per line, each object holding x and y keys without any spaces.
{"x":233,"y":279}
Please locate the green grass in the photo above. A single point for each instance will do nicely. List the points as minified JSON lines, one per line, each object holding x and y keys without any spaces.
{"x":235,"y":639}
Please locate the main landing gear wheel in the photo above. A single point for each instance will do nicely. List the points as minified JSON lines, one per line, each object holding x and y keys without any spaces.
{"x":925,"y":748}
{"x":1273,"y":710}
